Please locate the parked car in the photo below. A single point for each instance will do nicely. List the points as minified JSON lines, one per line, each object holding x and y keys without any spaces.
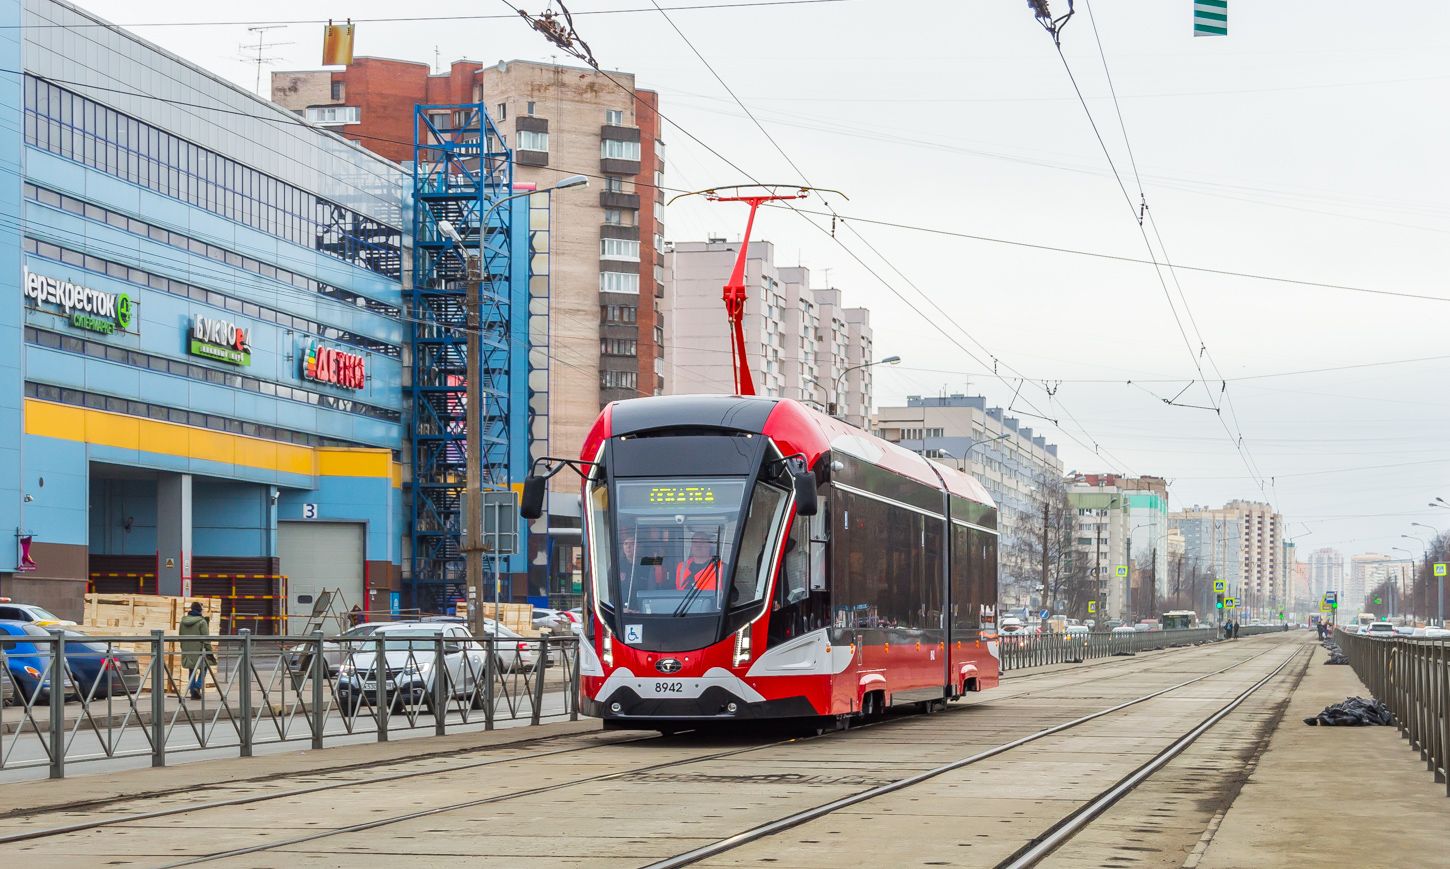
{"x":410,"y":668}
{"x":25,"y":612}
{"x":27,"y":662}
{"x":1123,"y":630}
{"x":1078,"y":630}
{"x":514,"y":650}
{"x":299,"y":657}
{"x":98,"y":669}
{"x":551,"y":620}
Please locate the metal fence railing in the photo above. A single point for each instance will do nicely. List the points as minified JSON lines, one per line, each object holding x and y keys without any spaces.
{"x":1412,"y":678}
{"x":1020,"y":652}
{"x":129,"y":696}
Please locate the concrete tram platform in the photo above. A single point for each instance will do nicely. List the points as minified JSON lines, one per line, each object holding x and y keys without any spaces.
{"x":1353,"y":796}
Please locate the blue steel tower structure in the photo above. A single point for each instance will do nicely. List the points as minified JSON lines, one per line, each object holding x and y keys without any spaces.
{"x":461,"y":167}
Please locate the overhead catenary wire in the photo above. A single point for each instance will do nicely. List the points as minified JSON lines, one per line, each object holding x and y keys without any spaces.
{"x":403,"y":19}
{"x":1095,"y":446}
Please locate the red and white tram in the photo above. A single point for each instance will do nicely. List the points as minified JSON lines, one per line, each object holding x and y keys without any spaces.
{"x":751,"y":558}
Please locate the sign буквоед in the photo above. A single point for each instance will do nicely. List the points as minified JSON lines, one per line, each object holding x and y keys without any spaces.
{"x":93,"y":310}
{"x":220,"y":340}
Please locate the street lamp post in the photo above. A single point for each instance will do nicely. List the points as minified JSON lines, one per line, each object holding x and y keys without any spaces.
{"x":889,"y":360}
{"x":473,"y":552}
{"x":1128,"y":580}
{"x":1424,"y":548}
{"x":1439,"y":580}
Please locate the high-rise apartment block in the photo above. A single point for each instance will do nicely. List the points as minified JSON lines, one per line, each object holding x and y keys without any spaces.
{"x":606,"y":259}
{"x":1243,"y":544}
{"x":801,"y":343}
{"x":1326,"y":572}
{"x":1015,"y":464}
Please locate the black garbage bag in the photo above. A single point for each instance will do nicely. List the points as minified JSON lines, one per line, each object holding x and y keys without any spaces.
{"x":1336,"y":654}
{"x":1353,"y":712}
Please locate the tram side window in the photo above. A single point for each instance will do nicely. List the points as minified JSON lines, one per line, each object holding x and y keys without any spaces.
{"x":966,"y":597}
{"x":802,"y":601}
{"x":932,"y":586}
{"x":885,"y":566}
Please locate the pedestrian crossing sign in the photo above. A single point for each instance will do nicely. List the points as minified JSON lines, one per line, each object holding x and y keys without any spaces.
{"x":1220,"y":586}
{"x":1230,"y":603}
{"x":1439,"y":568}
{"x":1092,"y":607}
{"x":1122,"y":570}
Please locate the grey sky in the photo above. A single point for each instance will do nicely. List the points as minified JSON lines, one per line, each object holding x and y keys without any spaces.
{"x":1309,"y":144}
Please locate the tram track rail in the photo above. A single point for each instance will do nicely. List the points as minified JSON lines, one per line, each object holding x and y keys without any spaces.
{"x":735,"y":841}
{"x":252,"y":798}
{"x":1061,"y":831}
{"x":83,"y":805}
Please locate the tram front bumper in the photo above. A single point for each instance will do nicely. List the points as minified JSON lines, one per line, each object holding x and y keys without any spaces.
{"x":718,"y":695}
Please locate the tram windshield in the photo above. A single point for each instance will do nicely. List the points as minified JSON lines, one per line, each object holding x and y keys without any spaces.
{"x":676,"y":546}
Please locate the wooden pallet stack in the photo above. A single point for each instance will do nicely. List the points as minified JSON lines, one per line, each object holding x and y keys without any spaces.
{"x":517,"y":617}
{"x":134,"y":615}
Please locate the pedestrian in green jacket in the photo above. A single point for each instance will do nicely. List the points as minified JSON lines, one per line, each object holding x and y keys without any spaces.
{"x":196,"y":654}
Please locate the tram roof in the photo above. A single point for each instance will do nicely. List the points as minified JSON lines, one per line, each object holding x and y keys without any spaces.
{"x":780,"y":417}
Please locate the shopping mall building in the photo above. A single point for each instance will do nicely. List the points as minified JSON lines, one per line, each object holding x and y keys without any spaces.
{"x":201,"y":360}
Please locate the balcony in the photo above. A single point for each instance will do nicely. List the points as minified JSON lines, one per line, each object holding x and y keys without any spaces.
{"x":608,"y":199}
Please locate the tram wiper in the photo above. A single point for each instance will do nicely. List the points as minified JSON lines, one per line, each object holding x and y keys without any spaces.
{"x":696,"y":587}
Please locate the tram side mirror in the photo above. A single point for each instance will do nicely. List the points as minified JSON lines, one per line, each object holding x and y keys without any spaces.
{"x":805,"y":494}
{"x":531,"y":505}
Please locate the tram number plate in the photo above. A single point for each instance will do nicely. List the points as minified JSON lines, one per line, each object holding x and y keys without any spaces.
{"x":669,"y":687}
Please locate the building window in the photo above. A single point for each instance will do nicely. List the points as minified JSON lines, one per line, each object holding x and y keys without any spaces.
{"x":337,"y":90}
{"x":619,"y":282}
{"x":618,"y":379}
{"x":326,"y":115}
{"x":614,"y":117}
{"x":618,"y":313}
{"x":614,"y":149}
{"x":619,"y":216}
{"x":618,"y":346}
{"x":613,"y":184}
{"x":532,"y":141}
{"x":530,"y":110}
{"x":503,"y":112}
{"x":619,"y":248}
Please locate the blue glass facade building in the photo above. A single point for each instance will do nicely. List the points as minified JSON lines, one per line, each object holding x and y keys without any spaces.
{"x":202,"y":357}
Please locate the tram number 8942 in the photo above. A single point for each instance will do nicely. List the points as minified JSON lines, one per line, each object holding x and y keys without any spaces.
{"x":669,"y":687}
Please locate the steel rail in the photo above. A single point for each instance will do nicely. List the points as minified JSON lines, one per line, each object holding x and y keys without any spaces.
{"x":81,"y":826}
{"x":780,"y":825}
{"x":1058,"y":834}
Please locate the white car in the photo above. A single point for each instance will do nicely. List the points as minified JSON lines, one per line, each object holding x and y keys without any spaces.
{"x":1010,"y":626}
{"x":1078,"y":630}
{"x":411,"y":668}
{"x":1122,"y":630}
{"x":36,"y":615}
{"x":1379,"y":629}
{"x":556,"y":621}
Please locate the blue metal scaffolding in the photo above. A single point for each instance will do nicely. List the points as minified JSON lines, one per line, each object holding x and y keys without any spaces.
{"x":461,"y":166}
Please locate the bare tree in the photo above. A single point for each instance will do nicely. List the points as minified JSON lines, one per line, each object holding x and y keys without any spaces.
{"x":1044,"y":555}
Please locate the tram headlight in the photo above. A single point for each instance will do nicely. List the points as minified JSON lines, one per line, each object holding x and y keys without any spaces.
{"x":742,"y":646}
{"x":607,"y":651}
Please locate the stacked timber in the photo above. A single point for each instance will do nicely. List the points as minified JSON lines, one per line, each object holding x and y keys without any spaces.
{"x":135,"y":615}
{"x":517,"y":617}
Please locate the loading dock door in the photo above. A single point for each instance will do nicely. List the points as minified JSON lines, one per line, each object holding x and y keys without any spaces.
{"x":321,"y":555}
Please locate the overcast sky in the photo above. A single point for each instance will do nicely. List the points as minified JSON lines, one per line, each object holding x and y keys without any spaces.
{"x":1307,"y":144}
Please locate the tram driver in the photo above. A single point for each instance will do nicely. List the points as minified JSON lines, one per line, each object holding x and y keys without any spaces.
{"x":701,"y":570}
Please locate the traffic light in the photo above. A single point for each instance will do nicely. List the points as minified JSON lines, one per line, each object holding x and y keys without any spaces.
{"x":1218,"y":602}
{"x":1377,"y":600}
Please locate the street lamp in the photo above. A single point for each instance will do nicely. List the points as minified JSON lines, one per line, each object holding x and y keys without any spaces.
{"x":889,"y":360}
{"x":1440,"y":580}
{"x":473,"y":497}
{"x":1398,"y":596}
{"x":1128,"y":580}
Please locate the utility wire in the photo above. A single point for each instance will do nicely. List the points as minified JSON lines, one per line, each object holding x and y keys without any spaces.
{"x":402,"y":19}
{"x":1095,"y":447}
{"x":284,"y":120}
